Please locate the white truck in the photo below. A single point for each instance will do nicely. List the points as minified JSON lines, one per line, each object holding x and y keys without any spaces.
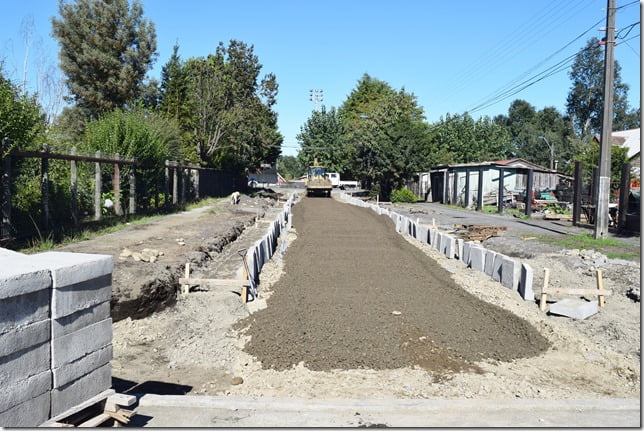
{"x":342,"y":184}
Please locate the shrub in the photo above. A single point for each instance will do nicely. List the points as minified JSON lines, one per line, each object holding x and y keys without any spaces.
{"x":403,"y":195}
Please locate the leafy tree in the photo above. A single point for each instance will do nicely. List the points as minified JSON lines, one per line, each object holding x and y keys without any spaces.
{"x":387,"y":134}
{"x":464,"y":140}
{"x":174,"y":88}
{"x":290,"y":167}
{"x":233,"y":123}
{"x":20,"y":116}
{"x":589,"y":156}
{"x":533,"y":133}
{"x":586,"y":97}
{"x":106,"y":49}
{"x":321,"y":137}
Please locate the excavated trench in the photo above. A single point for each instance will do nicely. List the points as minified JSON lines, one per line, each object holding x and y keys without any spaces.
{"x":355,"y":294}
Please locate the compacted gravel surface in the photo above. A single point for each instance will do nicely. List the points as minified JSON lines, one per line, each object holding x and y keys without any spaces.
{"x":355,"y":294}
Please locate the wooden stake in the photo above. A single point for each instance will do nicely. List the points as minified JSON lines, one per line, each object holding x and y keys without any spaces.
{"x":186,"y":287}
{"x":600,"y":286}
{"x":544,"y":295}
{"x":433,"y":223}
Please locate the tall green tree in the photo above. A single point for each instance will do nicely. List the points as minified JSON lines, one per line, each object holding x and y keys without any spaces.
{"x":386,"y":132}
{"x":106,"y":49}
{"x":321,"y":138}
{"x":461,"y":139}
{"x":585,"y":100}
{"x":290,"y":167}
{"x":538,"y":135}
{"x":233,"y":122}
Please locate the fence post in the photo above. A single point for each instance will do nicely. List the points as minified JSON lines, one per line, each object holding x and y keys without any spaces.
{"x":624,"y":189}
{"x":132,"y":180}
{"x":74,"y":187}
{"x":501,"y":189}
{"x":44,"y":190}
{"x":166,"y":186}
{"x":117,"y":187}
{"x":577,"y":191}
{"x":175,"y":186}
{"x":156,"y":191}
{"x":97,"y":188}
{"x":5,"y":228}
{"x":467,"y":188}
{"x":528,"y":193}
{"x":184,"y":177}
{"x":196,"y":184}
{"x":455,"y":191}
{"x":479,"y":197}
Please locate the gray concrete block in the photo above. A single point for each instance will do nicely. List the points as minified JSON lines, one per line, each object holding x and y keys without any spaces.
{"x":477,"y":258}
{"x":17,"y":311}
{"x":489,"y":262}
{"x":71,"y":298}
{"x":20,"y":276}
{"x":525,"y":286}
{"x":575,"y":308}
{"x":498,"y":267}
{"x":25,"y":337}
{"x":459,"y":248}
{"x":85,"y":365}
{"x":29,"y":414}
{"x":510,"y":273}
{"x":438,"y":240}
{"x":18,"y":392}
{"x":71,"y":268}
{"x":71,"y":347}
{"x":4,"y":252}
{"x":448,"y":246}
{"x":467,"y":246}
{"x":25,"y":363}
{"x":80,"y":319}
{"x":422,"y":234}
{"x":80,"y":390}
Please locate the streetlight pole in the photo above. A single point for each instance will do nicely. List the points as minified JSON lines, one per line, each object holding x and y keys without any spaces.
{"x":552,"y":152}
{"x":316,"y":96}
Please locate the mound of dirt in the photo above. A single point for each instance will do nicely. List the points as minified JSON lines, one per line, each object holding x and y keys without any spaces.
{"x":358,"y":295}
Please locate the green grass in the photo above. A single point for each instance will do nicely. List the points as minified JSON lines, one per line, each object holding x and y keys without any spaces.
{"x":611,"y":247}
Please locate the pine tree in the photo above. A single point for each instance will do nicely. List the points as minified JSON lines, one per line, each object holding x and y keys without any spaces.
{"x":106,"y":49}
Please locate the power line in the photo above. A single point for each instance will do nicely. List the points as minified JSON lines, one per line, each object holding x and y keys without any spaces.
{"x":509,"y":86}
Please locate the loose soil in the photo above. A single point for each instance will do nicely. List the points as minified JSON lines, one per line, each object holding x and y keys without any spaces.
{"x":359,"y":296}
{"x":324,"y":325}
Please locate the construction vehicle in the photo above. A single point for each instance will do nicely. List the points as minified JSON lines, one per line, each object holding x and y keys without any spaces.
{"x":317,"y":181}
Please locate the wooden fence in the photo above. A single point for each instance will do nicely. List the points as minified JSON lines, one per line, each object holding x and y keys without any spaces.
{"x":180,"y":183}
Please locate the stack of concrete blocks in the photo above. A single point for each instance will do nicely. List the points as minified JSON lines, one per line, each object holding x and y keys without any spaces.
{"x":260,"y":253}
{"x":81,"y":326}
{"x":25,"y":336}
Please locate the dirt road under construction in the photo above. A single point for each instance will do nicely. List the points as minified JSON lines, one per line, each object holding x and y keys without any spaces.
{"x":354,"y":314}
{"x":355,"y":294}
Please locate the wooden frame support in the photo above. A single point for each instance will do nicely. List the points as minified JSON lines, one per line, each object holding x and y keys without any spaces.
{"x":600,"y":292}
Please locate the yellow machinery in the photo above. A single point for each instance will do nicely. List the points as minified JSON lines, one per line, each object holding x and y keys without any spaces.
{"x":317,"y":181}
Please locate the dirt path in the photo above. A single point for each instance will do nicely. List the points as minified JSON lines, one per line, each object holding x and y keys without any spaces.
{"x":357,"y":295}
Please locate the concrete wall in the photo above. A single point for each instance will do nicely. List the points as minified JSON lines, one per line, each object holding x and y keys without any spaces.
{"x":55,"y":333}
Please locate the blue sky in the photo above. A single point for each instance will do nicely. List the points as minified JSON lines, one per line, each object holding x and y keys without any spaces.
{"x":452,"y":55}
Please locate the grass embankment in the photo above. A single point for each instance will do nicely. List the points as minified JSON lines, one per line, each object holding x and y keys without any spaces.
{"x":109,"y":226}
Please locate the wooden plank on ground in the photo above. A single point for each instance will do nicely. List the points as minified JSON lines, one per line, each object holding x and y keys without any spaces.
{"x":601,"y":292}
{"x":215,"y":282}
{"x":95,"y":421}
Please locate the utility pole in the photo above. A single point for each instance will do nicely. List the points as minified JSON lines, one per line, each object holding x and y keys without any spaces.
{"x":603,"y":191}
{"x":316,"y":96}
